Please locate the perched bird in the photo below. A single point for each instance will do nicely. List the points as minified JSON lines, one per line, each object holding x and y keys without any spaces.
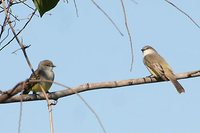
{"x":158,"y":67}
{"x":43,"y":72}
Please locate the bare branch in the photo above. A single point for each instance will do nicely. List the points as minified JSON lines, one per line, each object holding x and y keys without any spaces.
{"x":16,"y":34}
{"x":27,"y":5}
{"x":129,"y":34}
{"x":16,"y":37}
{"x":5,"y":36}
{"x":76,"y":8}
{"x":3,"y":27}
{"x":107,"y":16}
{"x":15,"y":90}
{"x":134,"y":1}
{"x":183,"y":13}
{"x":86,"y":87}
{"x":20,"y":117}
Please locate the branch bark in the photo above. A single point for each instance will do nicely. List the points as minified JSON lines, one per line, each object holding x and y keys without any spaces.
{"x":87,"y":87}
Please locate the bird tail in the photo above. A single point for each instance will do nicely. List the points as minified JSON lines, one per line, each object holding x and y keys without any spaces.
{"x":177,"y":85}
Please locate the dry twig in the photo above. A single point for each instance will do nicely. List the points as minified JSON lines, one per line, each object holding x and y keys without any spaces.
{"x":107,"y":17}
{"x":183,"y":13}
{"x":129,"y":34}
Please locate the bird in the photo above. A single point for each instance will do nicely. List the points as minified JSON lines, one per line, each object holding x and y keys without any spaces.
{"x":159,"y":68}
{"x":43,"y":72}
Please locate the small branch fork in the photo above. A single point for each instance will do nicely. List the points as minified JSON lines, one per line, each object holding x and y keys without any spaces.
{"x":8,"y":96}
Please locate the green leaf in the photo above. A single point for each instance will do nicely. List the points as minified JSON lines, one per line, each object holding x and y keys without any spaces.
{"x":45,"y":5}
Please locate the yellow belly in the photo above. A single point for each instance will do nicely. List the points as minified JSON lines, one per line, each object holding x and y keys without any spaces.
{"x":37,"y":87}
{"x":152,"y":72}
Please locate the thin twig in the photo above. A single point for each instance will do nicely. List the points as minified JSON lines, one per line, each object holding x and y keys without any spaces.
{"x":107,"y":17}
{"x":129,"y":34}
{"x":49,"y":109}
{"x":25,"y":47}
{"x":135,"y":1}
{"x":20,"y":117}
{"x":3,"y":26}
{"x":76,"y":8}
{"x":20,"y":112}
{"x":183,"y":13}
{"x":5,"y":36}
{"x":86,"y":103}
{"x":82,"y":99}
{"x":51,"y":118}
{"x":20,"y":30}
{"x":27,"y":5}
{"x":93,"y":111}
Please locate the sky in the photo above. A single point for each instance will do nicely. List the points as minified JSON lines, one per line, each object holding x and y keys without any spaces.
{"x":88,"y":49}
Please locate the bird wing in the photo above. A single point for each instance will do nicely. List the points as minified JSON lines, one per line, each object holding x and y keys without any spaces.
{"x":34,"y":76}
{"x":160,"y":68}
{"x":154,"y":67}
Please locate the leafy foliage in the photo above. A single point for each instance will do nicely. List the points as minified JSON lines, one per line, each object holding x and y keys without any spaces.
{"x":45,"y":5}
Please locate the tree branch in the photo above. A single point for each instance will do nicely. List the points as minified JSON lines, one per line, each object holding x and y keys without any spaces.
{"x":87,"y":87}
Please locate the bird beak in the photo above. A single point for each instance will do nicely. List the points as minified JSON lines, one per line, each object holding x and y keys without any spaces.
{"x":53,"y":66}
